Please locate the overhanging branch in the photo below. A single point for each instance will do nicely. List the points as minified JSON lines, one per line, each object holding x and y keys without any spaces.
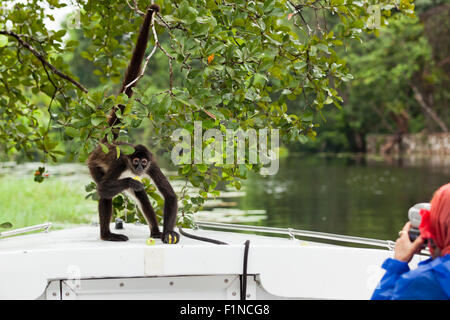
{"x":41,"y":58}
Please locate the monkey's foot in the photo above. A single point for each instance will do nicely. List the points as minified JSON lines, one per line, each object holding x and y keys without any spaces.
{"x":114,"y":237}
{"x":155,"y":233}
{"x":170,"y":237}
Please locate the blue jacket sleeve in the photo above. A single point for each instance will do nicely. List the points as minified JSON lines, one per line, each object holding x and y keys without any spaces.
{"x":394,"y":270}
{"x":428,"y":281}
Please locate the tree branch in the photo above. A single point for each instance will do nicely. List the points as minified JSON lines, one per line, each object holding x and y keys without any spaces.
{"x":135,"y":9}
{"x":420,"y":99}
{"x":43,"y":60}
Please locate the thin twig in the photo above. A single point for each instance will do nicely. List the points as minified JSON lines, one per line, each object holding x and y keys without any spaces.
{"x":183,"y":64}
{"x":135,"y":9}
{"x":163,"y":21}
{"x":170,"y":65}
{"x":298,"y":10}
{"x":49,"y":78}
{"x":317,"y":21}
{"x":164,"y":50}
{"x":170,"y":76}
{"x":324,"y":19}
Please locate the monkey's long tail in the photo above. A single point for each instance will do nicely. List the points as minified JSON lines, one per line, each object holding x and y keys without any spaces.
{"x":134,"y":67}
{"x":200,"y":238}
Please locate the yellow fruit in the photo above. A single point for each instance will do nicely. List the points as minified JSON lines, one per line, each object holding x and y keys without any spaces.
{"x":137,"y":179}
{"x":150,"y":241}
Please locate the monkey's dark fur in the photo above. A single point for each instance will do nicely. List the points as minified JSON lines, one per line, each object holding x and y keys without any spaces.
{"x":114,"y":175}
{"x":117,"y":174}
{"x":134,"y":66}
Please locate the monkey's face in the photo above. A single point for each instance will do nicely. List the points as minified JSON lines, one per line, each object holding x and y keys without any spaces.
{"x":139,"y":165}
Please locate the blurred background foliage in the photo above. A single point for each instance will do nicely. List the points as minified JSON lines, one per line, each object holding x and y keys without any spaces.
{"x":400,"y":77}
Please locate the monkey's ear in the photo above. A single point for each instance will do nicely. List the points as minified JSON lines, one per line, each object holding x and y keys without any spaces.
{"x":155,"y":7}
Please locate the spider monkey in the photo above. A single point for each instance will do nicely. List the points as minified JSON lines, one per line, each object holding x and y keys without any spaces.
{"x":117,"y":174}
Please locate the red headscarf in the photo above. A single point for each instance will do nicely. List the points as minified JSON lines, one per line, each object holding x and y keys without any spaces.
{"x":435,"y":223}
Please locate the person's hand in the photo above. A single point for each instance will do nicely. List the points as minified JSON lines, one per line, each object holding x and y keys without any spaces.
{"x":404,"y":248}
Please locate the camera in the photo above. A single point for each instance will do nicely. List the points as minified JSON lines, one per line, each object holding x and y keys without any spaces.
{"x":415,"y":218}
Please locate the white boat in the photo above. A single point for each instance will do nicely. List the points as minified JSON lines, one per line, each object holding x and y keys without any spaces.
{"x":75,"y":264}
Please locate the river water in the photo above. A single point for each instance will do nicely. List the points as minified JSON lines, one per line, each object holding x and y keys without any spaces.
{"x":350,"y":195}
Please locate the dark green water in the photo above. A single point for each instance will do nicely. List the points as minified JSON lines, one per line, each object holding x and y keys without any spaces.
{"x":352,"y":196}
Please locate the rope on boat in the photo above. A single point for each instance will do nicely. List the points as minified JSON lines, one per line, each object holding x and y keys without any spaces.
{"x":201,"y":238}
{"x":244,"y":272}
{"x":243,"y":277}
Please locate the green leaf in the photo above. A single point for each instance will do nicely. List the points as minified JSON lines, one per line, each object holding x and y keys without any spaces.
{"x":126,"y":149}
{"x":104,"y":148}
{"x":309,"y":116}
{"x":217,"y":46}
{"x":166,"y":102}
{"x":321,"y":47}
{"x":3,"y":40}
{"x":72,"y":132}
{"x":202,"y":168}
{"x":186,"y":169}
{"x":6,"y":225}
{"x":97,"y":120}
{"x":59,"y":34}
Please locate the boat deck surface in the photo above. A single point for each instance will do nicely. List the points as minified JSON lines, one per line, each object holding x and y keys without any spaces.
{"x":285,"y":267}
{"x":88,"y":237}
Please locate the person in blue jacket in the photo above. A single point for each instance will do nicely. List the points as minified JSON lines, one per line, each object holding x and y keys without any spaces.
{"x":431,"y":279}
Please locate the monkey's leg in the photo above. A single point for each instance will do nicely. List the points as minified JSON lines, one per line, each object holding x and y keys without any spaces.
{"x":97,"y":173}
{"x":170,"y":216}
{"x":149,"y":213}
{"x":170,"y":204}
{"x":105,"y":212}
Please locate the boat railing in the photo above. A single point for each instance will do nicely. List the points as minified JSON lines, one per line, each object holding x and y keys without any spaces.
{"x":301,"y":233}
{"x":292,"y":233}
{"x":44,"y":226}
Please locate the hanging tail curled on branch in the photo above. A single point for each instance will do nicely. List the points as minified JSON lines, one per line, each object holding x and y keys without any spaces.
{"x":132,"y":73}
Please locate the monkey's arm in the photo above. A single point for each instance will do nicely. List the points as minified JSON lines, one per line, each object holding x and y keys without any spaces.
{"x":109,"y":188}
{"x":170,"y":203}
{"x":110,"y":184}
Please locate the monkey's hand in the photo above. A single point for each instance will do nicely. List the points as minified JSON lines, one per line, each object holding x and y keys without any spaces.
{"x":170,"y":237}
{"x":135,"y":185}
